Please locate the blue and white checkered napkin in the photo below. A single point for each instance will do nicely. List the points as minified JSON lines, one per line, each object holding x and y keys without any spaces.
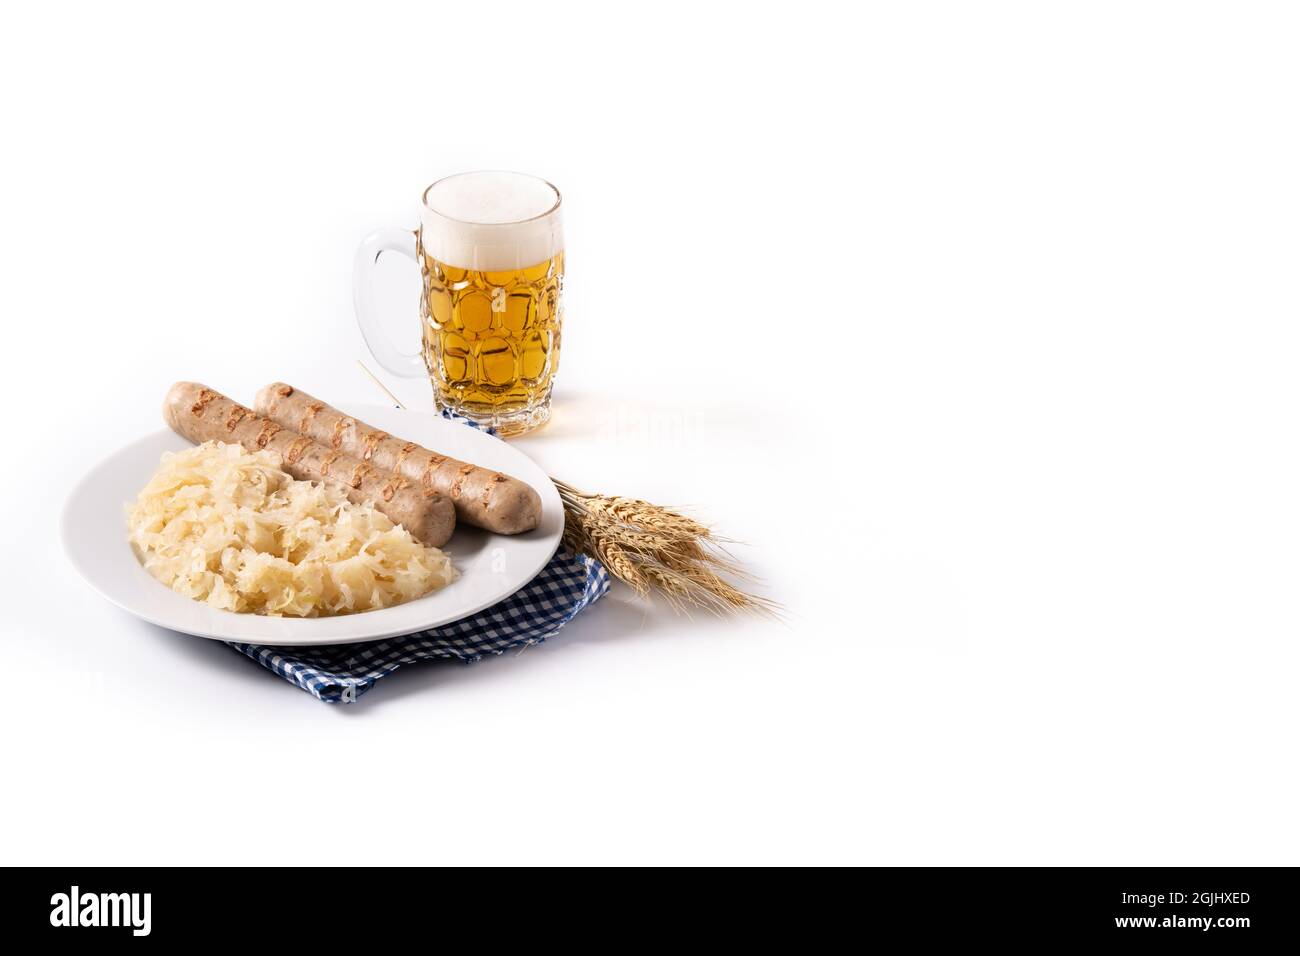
{"x":343,"y":672}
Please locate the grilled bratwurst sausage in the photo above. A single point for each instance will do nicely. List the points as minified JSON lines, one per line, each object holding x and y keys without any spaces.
{"x":485,"y":498}
{"x":200,"y":414}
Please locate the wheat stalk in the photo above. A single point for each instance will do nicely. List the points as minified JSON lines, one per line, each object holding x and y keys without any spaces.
{"x":655,"y":550}
{"x":652,"y":549}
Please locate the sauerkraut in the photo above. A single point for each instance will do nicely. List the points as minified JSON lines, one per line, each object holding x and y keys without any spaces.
{"x":228,"y":527}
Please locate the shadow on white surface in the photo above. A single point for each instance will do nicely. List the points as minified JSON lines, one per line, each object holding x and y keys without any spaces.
{"x":612,"y":619}
{"x":632,"y":420}
{"x":207,"y":655}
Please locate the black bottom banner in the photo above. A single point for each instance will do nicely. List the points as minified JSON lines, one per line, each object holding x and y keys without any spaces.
{"x":1222,"y":907}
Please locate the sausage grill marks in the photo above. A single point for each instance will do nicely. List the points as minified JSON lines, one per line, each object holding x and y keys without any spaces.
{"x":480,"y":496}
{"x":369,"y":442}
{"x":269,"y":431}
{"x":237,"y":414}
{"x":294,"y":451}
{"x":201,"y":414}
{"x":308,"y":414}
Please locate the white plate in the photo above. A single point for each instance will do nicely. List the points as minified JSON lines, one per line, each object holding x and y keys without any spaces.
{"x":492,"y":566}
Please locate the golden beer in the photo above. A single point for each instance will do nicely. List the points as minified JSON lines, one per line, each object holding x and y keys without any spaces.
{"x":492,"y":339}
{"x":491,"y":252}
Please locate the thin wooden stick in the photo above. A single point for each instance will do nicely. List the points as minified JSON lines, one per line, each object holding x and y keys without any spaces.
{"x":374,"y":378}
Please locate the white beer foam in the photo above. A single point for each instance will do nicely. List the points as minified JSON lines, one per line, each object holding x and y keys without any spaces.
{"x":491,"y":221}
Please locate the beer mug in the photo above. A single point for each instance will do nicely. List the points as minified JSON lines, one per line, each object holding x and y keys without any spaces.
{"x":491,"y":254}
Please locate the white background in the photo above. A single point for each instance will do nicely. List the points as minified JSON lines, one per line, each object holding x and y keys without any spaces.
{"x":976,"y":322}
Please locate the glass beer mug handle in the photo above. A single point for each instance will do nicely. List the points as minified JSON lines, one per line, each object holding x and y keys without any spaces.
{"x":405,"y":364}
